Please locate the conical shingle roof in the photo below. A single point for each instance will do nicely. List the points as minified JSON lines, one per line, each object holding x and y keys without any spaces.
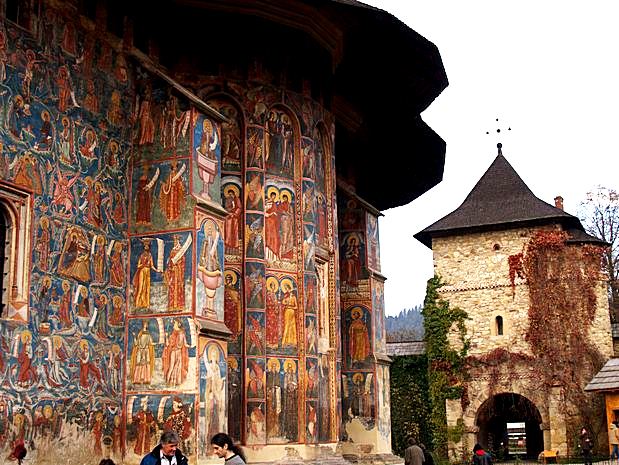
{"x":502,"y":200}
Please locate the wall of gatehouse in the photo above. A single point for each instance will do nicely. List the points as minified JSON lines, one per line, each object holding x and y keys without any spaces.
{"x":475,"y":270}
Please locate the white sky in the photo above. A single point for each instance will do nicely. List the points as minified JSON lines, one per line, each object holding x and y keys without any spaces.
{"x":547,"y":68}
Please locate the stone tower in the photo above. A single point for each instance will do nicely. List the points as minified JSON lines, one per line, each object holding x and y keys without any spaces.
{"x":520,"y":269}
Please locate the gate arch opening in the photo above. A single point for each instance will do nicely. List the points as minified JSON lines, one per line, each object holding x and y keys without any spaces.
{"x":523,"y":439}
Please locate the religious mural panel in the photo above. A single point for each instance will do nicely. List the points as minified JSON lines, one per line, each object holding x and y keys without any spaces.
{"x":326,"y":414}
{"x":279,"y":225}
{"x":161,"y":273}
{"x":282,"y":334}
{"x":311,"y":422}
{"x":233,"y":309}
{"x":254,"y":235}
{"x":210,"y":250}
{"x":160,"y":196}
{"x":161,"y":354}
{"x":378,"y":310}
{"x":255,"y":378}
{"x":231,"y":139}
{"x":207,"y":157}
{"x":309,"y":158}
{"x":373,"y":242}
{"x":358,"y":398}
{"x":282,"y":405}
{"x":357,"y":327}
{"x":256,"y":424}
{"x":213,"y":381}
{"x":149,"y":415}
{"x":235,"y":393}
{"x":280,"y":143}
{"x":231,"y":188}
{"x":311,"y":335}
{"x":354,"y":274}
{"x":254,"y":327}
{"x":255,"y":147}
{"x":384,"y":402}
{"x":254,"y":285}
{"x":254,"y":193}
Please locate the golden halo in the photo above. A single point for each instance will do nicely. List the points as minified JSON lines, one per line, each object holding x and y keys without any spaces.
{"x":232,"y":274}
{"x":83,"y":343}
{"x":213,"y":353}
{"x":357,"y":378}
{"x":65,"y":119}
{"x":273,"y":363}
{"x":103,"y":298}
{"x":273,"y":190}
{"x":43,"y":113}
{"x":47,"y":280}
{"x":234,"y":188}
{"x":356,"y":311}
{"x":290,"y":363}
{"x":115,"y":349}
{"x":285,"y":194}
{"x":48,"y":411}
{"x":232,"y":362}
{"x":114,"y":145}
{"x":209,"y":225}
{"x":44,"y":222}
{"x":117,"y":300}
{"x":287,"y":282}
{"x":350,"y":238}
{"x":207,"y":126}
{"x":66,"y":285}
{"x":272,"y":281}
{"x":56,"y":341}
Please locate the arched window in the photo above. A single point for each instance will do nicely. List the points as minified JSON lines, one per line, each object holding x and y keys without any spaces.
{"x":5,"y":256}
{"x":498,"y":325}
{"x":15,"y":248}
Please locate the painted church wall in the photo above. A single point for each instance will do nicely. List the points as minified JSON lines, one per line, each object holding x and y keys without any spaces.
{"x":65,"y":137}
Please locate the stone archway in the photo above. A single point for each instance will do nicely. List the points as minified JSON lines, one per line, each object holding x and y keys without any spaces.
{"x":492,"y":418}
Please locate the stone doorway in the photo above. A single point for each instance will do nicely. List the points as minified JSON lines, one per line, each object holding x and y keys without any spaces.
{"x":492,"y":419}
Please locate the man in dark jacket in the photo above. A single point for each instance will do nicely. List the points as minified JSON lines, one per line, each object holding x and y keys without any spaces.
{"x":167,"y":452}
{"x":480,"y":456}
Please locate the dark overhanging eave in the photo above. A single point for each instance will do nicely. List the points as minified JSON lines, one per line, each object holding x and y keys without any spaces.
{"x":425,"y":236}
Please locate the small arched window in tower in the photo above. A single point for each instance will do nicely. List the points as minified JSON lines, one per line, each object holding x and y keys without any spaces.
{"x":498,"y":325}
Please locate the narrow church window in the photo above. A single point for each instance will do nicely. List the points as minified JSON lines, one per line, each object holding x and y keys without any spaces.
{"x":20,"y":12}
{"x":496,"y":247}
{"x":5,"y":256}
{"x":15,"y":248}
{"x":499,"y":325}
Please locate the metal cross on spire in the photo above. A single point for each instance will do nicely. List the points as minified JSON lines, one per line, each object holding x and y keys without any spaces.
{"x":498,"y":130}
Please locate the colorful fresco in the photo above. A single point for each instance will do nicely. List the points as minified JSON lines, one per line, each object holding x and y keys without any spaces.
{"x":149,"y":415}
{"x":161,"y":354}
{"x":282,"y":334}
{"x":235,"y":392}
{"x":378,"y":309}
{"x":282,"y":401}
{"x":231,"y":189}
{"x":161,"y":273}
{"x":210,"y":265}
{"x":280,"y":143}
{"x":384,"y":402}
{"x":207,"y":157}
{"x":358,"y":339}
{"x":213,"y":382}
{"x":160,"y":198}
{"x":61,"y":367}
{"x":279,"y":226}
{"x":358,"y":399}
{"x":373,"y":242}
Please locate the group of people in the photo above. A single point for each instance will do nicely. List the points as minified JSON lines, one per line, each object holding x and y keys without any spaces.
{"x":168,"y":453}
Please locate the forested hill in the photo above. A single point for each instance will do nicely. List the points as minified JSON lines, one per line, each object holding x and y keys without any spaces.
{"x":406,"y":326}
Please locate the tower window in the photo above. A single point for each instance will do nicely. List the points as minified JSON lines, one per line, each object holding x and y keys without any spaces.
{"x":498,"y":325}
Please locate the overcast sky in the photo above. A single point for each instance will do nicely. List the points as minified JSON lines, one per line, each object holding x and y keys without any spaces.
{"x":549,"y":69}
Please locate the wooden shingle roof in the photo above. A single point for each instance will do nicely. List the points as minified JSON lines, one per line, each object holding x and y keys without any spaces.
{"x":607,"y":379}
{"x":501,"y":200}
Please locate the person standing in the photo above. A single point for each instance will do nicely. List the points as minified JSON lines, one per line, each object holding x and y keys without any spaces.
{"x":224,"y":448}
{"x":586,"y":445}
{"x":480,"y":456}
{"x":613,"y":440}
{"x":167,"y":452}
{"x":413,"y":455}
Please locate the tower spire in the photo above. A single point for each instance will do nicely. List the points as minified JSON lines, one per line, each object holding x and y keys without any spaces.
{"x":499,"y":145}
